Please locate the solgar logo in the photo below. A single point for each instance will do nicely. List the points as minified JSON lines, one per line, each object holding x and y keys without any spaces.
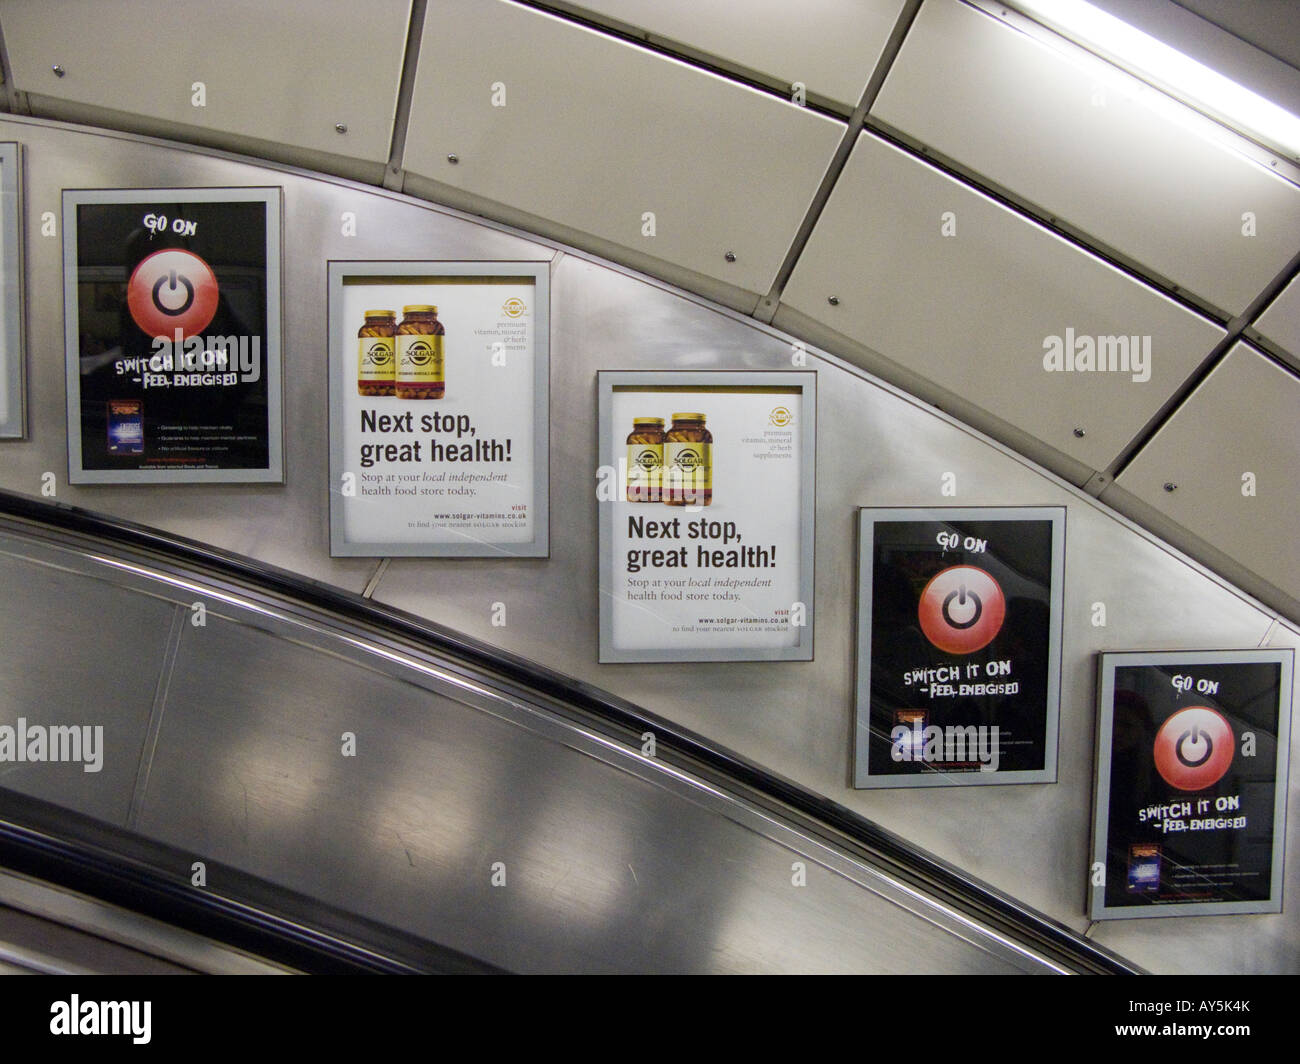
{"x":379,"y":355}
{"x":102,"y":1017}
{"x":780,"y":416}
{"x":1098,"y":354}
{"x":513,"y":307}
{"x":689,"y":459}
{"x":648,"y":460}
{"x":418,"y":354}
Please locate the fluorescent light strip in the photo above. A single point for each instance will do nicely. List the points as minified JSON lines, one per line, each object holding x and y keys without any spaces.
{"x":1167,"y":67}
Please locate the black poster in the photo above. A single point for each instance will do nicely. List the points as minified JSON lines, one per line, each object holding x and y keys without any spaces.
{"x":1191,"y":783}
{"x":959,"y":621}
{"x":173,"y":325}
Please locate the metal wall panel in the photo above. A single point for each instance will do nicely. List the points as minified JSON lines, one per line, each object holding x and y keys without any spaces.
{"x":1240,"y":420}
{"x":1280,"y":321}
{"x":604,"y":870}
{"x":828,"y":45}
{"x":972,"y":309}
{"x":79,"y":653}
{"x":297,"y":71}
{"x":595,"y":134}
{"x":1096,"y":148}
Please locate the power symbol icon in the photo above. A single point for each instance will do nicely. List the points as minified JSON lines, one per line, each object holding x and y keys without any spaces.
{"x":1189,"y":743}
{"x":968,"y":603}
{"x":170,"y":280}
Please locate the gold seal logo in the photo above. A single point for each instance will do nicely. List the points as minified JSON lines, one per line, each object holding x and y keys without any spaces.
{"x":780,"y":416}
{"x":513,"y":307}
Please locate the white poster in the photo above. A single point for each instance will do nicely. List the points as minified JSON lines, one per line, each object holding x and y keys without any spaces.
{"x":707,"y":533}
{"x":438,"y":403}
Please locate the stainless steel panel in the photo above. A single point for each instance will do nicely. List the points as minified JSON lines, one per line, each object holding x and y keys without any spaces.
{"x":595,"y":134}
{"x":829,"y":46}
{"x":78,"y":653}
{"x":604,"y":870}
{"x":974,"y":309}
{"x":1240,"y":420}
{"x":1280,"y":321}
{"x":297,"y":71}
{"x":1096,"y":148}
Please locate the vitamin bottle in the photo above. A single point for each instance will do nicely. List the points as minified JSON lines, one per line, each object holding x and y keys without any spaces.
{"x":419,"y":354}
{"x":688,"y":462}
{"x":376,"y":353}
{"x":645,"y":459}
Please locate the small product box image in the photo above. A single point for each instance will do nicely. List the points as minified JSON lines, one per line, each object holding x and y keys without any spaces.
{"x":438,"y":443}
{"x":125,"y":426}
{"x":705,"y":516}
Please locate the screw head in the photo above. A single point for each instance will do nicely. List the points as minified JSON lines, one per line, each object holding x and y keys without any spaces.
{"x":339,"y":127}
{"x":730,"y":256}
{"x":1080,"y":433}
{"x":453,"y":159}
{"x":834,"y":301}
{"x":1170,"y":486}
{"x":58,"y":70}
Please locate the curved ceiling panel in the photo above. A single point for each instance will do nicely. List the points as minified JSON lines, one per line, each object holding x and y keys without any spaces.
{"x":296,"y":72}
{"x":1088,"y":144}
{"x":960,"y":290}
{"x":614,"y":141}
{"x":827,"y":45}
{"x":1232,"y":452}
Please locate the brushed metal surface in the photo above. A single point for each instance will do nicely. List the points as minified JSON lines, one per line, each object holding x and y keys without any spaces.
{"x":1095,"y":147}
{"x":83,"y":653}
{"x":974,"y":308}
{"x":595,"y":134}
{"x":296,"y":72}
{"x":830,"y":47}
{"x":1242,"y":419}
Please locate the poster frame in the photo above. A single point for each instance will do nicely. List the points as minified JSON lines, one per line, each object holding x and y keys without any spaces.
{"x":13,"y":360}
{"x":341,"y":368}
{"x":272,"y":198}
{"x":608,"y":454}
{"x":868,"y":516}
{"x":1107,"y":664}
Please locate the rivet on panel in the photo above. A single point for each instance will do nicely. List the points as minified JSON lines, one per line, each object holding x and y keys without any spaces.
{"x":834,"y":301}
{"x":339,"y":127}
{"x":1080,"y":433}
{"x":730,"y":256}
{"x":58,"y":70}
{"x":453,"y":159}
{"x":1170,"y":486}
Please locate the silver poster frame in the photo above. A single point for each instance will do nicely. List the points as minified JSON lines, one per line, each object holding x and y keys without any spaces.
{"x":1107,"y":663}
{"x":868,"y":517}
{"x":271,"y":197}
{"x":340,"y":365}
{"x":13,"y":411}
{"x":805,"y":382}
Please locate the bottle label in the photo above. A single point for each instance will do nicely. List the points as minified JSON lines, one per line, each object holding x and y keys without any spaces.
{"x":688,"y":469}
{"x":419,"y":359}
{"x":644,"y":468}
{"x":375,"y":360}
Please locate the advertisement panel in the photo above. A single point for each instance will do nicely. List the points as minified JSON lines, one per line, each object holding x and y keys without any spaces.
{"x":706,"y":496}
{"x":959,"y":646}
{"x":172,"y":324}
{"x":439,"y":377}
{"x":1191,"y":786}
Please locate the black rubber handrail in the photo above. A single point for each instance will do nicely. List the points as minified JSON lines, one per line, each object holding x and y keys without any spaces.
{"x":915,"y":866}
{"x":70,"y":850}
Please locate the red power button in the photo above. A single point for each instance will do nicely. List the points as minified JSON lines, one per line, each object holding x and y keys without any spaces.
{"x":1194,"y":748}
{"x":172,"y":289}
{"x":961,"y":609}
